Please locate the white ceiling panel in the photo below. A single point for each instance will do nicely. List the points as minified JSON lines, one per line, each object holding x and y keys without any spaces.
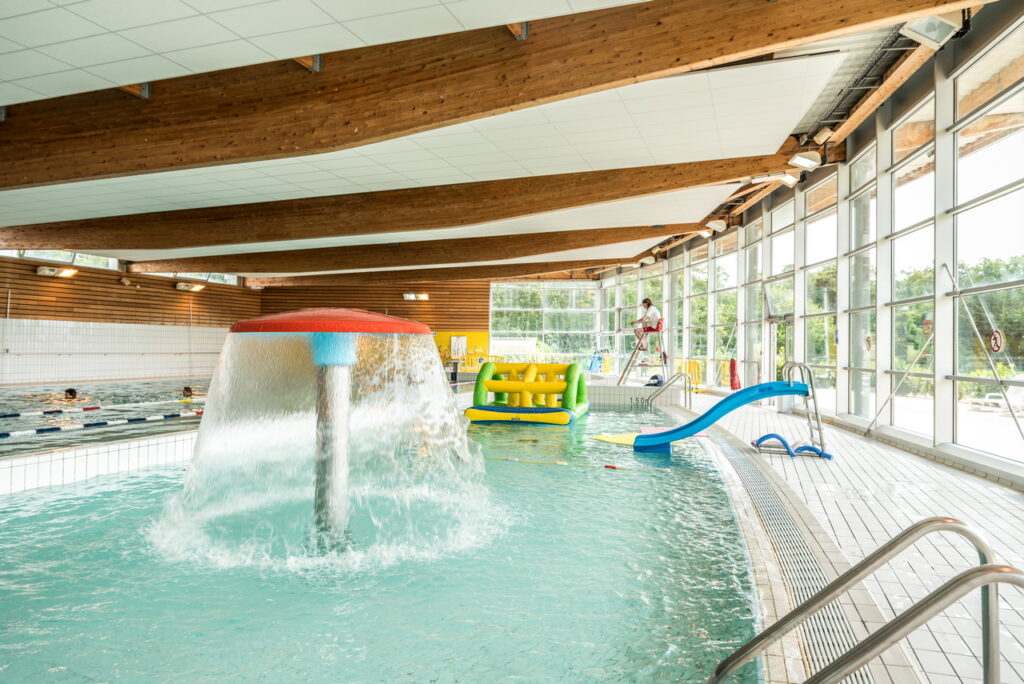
{"x":671,"y":120}
{"x":681,"y":206}
{"x":233,"y":33}
{"x":622,"y":250}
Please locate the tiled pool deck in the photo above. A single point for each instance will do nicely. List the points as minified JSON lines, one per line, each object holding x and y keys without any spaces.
{"x":868,"y":494}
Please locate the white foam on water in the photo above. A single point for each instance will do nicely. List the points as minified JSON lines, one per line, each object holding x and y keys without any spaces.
{"x":416,"y":480}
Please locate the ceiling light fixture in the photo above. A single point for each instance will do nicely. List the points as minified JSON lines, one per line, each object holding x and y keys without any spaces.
{"x":808,"y":160}
{"x":189,"y":287}
{"x":934,"y":31}
{"x":777,"y":177}
{"x":56,"y":272}
{"x":647,"y":260}
{"x":789,"y":180}
{"x":414,"y":297}
{"x":706,"y":233}
{"x":822,"y":136}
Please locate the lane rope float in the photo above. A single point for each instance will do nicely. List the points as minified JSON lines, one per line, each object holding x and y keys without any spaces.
{"x":83,"y":409}
{"x":512,"y":459}
{"x":102,"y":423}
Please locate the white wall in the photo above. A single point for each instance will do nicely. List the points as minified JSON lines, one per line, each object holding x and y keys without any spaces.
{"x":41,"y":351}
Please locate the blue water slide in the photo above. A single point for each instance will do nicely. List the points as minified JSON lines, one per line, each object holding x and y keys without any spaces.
{"x":662,"y":441}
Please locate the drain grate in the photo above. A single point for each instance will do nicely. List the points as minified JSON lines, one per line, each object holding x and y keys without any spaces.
{"x":827,"y":634}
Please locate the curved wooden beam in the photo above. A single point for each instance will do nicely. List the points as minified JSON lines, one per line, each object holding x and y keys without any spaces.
{"x":425,"y":253}
{"x":391,"y":211}
{"x":494,"y":272}
{"x":388,"y":91}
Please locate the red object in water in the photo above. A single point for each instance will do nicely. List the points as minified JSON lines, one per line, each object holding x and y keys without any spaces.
{"x":331,"y":320}
{"x":734,"y":376}
{"x":611,"y":467}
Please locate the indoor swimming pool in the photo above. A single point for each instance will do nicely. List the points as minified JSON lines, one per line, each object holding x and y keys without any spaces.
{"x":540,"y":564}
{"x":129,"y":399}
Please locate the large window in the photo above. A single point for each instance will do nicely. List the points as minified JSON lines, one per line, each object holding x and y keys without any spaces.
{"x":554,"y":321}
{"x":872,"y":309}
{"x":914,"y":191}
{"x":989,"y":316}
{"x":913,"y":264}
{"x":913,"y":132}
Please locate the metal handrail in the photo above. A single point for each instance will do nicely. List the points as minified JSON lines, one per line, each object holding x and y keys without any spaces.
{"x":931,"y":605}
{"x":687,"y":389}
{"x":807,"y":376}
{"x":661,"y":390}
{"x":839,"y":586}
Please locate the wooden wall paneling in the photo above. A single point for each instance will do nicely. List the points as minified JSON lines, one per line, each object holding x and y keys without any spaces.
{"x":462,"y":305}
{"x":99,"y":296}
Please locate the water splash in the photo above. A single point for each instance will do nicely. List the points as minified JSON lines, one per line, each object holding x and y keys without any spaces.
{"x":416,"y":479}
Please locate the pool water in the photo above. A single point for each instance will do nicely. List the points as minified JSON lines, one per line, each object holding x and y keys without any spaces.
{"x":48,"y":397}
{"x":570,"y":571}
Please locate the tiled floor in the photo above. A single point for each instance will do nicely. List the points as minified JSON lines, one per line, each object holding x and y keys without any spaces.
{"x":869,"y":493}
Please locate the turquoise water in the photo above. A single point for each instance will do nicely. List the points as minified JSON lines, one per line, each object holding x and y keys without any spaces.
{"x":568,"y":572}
{"x":48,"y":397}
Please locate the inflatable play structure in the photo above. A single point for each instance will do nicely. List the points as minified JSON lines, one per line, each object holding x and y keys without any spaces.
{"x":550,"y":393}
{"x":662,"y":441}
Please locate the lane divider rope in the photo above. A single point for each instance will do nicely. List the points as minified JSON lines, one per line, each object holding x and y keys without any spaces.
{"x":512,"y":459}
{"x":83,"y":409}
{"x":102,"y":423}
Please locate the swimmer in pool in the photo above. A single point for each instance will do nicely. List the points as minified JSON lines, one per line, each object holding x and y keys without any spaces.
{"x":70,"y":394}
{"x":186,"y":392}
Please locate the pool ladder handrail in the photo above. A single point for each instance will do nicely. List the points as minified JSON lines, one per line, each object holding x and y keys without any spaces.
{"x":687,"y":390}
{"x":908,"y":620}
{"x":806,"y":376}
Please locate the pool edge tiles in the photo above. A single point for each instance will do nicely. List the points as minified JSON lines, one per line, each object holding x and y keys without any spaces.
{"x":777,"y":588}
{"x":59,"y":467}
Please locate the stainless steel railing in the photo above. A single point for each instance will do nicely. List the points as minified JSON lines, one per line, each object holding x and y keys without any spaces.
{"x":984,"y":576}
{"x":687,"y":389}
{"x":840,"y":585}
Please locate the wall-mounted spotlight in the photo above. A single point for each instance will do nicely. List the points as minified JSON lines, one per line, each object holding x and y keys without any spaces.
{"x":647,"y":260}
{"x":56,"y":272}
{"x":789,"y":180}
{"x":190,"y":287}
{"x":777,"y":177}
{"x":822,"y":136}
{"x":416,"y":297}
{"x":808,"y":160}
{"x":934,"y":31}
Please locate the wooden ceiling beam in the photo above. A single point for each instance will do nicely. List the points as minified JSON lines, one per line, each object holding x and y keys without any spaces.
{"x":766,"y":189}
{"x":411,"y":209}
{"x":383,"y":92}
{"x":311,"y":63}
{"x":493,"y":272}
{"x":139,"y":90}
{"x":424,"y":253}
{"x":904,"y":68}
{"x":520,"y":30}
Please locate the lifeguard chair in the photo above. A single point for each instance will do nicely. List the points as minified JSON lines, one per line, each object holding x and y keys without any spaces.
{"x":636,"y":359}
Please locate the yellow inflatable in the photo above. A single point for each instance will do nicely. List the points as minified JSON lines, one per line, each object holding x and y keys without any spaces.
{"x":529,"y":393}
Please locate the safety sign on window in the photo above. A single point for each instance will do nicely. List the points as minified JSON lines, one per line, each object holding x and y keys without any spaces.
{"x":995,"y":340}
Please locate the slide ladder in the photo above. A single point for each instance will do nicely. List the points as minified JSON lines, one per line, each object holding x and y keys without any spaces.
{"x":800,"y":373}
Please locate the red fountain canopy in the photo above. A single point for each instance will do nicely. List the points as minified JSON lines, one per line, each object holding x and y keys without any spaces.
{"x":331,"y":321}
